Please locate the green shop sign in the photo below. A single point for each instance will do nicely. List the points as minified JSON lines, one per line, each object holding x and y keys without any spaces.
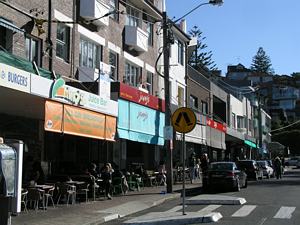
{"x":250,"y":143}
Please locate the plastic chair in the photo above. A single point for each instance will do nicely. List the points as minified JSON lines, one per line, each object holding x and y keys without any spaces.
{"x":36,"y":196}
{"x":117,"y":184}
{"x":67,"y":191}
{"x":49,"y":195}
{"x":83,"y":189}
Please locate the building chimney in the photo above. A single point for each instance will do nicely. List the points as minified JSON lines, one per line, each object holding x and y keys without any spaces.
{"x":182,"y":25}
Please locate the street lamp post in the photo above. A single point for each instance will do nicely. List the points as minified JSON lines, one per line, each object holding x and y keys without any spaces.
{"x":167,"y":39}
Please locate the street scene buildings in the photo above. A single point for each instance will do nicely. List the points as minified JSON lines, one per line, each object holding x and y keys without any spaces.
{"x":83,"y":81}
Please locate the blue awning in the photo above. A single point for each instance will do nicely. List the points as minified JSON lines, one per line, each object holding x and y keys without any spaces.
{"x":9,"y":25}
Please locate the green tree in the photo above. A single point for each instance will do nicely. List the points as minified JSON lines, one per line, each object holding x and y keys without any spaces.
{"x":261,"y":62}
{"x":201,"y":58}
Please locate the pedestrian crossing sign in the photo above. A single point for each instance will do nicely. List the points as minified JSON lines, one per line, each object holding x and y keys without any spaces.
{"x":184,"y":120}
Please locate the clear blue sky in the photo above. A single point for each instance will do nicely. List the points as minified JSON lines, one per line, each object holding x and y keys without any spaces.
{"x":235,"y":30}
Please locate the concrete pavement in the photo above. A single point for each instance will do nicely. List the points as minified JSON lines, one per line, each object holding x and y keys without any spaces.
{"x":102,"y":210}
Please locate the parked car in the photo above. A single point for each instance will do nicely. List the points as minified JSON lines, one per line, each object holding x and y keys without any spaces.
{"x":268,"y":171}
{"x":251,"y":168}
{"x":226,"y":175}
{"x":293,"y":161}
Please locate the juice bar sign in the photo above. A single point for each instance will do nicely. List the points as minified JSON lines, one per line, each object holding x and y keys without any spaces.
{"x":77,"y":97}
{"x":14,"y":78}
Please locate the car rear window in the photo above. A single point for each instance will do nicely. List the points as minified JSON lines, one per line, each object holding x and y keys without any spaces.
{"x":221,"y":166}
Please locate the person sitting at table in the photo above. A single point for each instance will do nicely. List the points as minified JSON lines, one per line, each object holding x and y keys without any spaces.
{"x":119,"y":173}
{"x":106,"y":175}
{"x":37,"y":174}
{"x":93,"y":170}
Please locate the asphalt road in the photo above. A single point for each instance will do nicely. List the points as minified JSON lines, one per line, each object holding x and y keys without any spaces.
{"x":269,"y":202}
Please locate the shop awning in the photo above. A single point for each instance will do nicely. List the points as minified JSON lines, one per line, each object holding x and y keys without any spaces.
{"x":250,"y":143}
{"x":215,"y":138}
{"x":22,"y":64}
{"x":9,"y":25}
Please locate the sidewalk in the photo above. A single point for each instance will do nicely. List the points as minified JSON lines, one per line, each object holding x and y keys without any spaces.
{"x":100,"y":211}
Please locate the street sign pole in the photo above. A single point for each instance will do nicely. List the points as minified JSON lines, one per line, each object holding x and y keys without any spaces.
{"x":183,"y":180}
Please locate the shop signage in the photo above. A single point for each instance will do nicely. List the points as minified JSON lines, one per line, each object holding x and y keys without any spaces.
{"x":76,"y":121}
{"x":14,"y":78}
{"x":74,"y":96}
{"x":216,"y":125}
{"x":134,"y":95}
{"x":250,"y":143}
{"x":184,"y":120}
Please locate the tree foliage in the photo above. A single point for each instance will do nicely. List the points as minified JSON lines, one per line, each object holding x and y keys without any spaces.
{"x":288,"y":138}
{"x":261,"y":62}
{"x":201,"y":58}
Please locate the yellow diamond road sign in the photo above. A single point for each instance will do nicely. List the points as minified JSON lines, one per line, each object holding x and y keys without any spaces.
{"x":184,"y":120}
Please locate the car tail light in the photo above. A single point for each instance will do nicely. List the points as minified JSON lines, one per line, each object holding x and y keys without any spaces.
{"x":230,"y":174}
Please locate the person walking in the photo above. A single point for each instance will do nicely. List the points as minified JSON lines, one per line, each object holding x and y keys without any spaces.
{"x":204,"y":167}
{"x":278,"y":167}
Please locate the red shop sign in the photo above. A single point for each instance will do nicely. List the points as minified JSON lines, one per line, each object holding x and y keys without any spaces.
{"x":134,"y":95}
{"x":216,"y":125}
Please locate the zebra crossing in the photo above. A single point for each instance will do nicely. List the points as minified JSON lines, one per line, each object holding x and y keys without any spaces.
{"x":281,"y":212}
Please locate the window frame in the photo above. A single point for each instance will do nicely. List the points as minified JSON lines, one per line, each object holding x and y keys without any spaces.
{"x":114,"y":75}
{"x":96,"y":57}
{"x":180,"y":46}
{"x":65,"y":44}
{"x":134,"y":75}
{"x":204,"y":107}
{"x":149,"y":82}
{"x":114,"y":5}
{"x":38,"y":49}
{"x":194,"y":102}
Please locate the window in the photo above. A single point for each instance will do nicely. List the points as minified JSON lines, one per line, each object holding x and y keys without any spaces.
{"x":150,"y":33}
{"x":132,"y":75}
{"x":250,"y":125}
{"x":62,"y":41}
{"x":114,"y":5}
{"x":204,"y":107}
{"x":233,"y":121}
{"x":193,"y":102}
{"x":240,"y":121}
{"x":113,"y":62}
{"x":90,"y":54}
{"x":32,"y":50}
{"x":150,"y":82}
{"x":180,"y":96}
{"x":133,"y":17}
{"x":180,"y":53}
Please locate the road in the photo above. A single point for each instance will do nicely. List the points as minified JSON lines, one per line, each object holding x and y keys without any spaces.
{"x":269,"y":202}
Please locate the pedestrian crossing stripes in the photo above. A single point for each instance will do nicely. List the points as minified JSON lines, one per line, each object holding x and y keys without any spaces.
{"x":285,"y":212}
{"x":244,"y":211}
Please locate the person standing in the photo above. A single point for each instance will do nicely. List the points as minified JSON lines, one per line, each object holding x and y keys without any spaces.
{"x":192,"y":165}
{"x":278,"y":167}
{"x":204,"y":167}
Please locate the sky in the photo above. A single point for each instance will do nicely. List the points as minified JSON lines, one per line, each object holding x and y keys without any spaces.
{"x":235,"y":30}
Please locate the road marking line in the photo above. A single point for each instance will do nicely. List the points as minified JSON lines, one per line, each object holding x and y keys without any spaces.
{"x":209,"y":208}
{"x":244,"y":211}
{"x":262,"y":221}
{"x":176,"y":208}
{"x":285,"y":212}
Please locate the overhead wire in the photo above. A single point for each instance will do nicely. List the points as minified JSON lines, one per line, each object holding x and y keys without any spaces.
{"x":282,"y":128}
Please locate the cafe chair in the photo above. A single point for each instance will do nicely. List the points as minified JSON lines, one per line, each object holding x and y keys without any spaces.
{"x":67,"y":191}
{"x":49,"y":195}
{"x":117,"y":184}
{"x":83,"y":189}
{"x":24,"y":199}
{"x":35,"y":196}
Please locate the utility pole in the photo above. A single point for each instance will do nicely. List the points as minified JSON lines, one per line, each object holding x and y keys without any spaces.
{"x":49,"y":35}
{"x":166,"y":52}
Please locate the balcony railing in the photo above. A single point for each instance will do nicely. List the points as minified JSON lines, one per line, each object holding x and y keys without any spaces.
{"x":94,"y":10}
{"x":136,"y":38}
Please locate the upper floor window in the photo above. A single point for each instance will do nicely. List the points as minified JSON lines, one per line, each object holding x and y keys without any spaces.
{"x":132,"y":75}
{"x":33,"y":50}
{"x":240,"y":122}
{"x":193,"y":102}
{"x":90,"y":54}
{"x":114,"y":5}
{"x":150,"y":33}
{"x":180,"y":52}
{"x":62,"y":41}
{"x":113,"y":62}
{"x":150,"y":82}
{"x":204,"y":107}
{"x":133,"y":17}
{"x":180,"y":96}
